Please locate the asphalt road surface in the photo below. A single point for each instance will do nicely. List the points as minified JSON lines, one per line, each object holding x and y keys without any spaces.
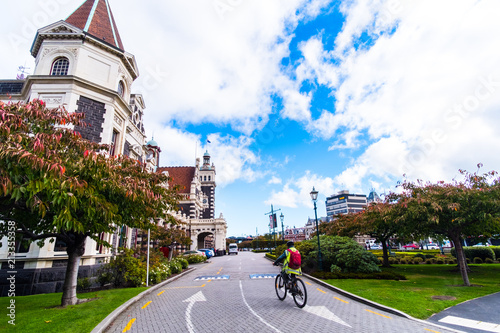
{"x":236,"y":294}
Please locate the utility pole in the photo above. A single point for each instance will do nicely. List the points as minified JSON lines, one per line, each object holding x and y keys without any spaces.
{"x":274,"y":222}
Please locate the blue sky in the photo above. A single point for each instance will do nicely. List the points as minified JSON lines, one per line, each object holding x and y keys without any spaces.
{"x":293,"y":94}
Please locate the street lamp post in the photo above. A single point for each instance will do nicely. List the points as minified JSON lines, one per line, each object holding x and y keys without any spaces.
{"x":314,"y":197}
{"x":282,"y":217}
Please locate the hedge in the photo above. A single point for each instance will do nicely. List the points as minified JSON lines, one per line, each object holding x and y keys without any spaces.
{"x":372,"y":276}
{"x":482,"y":252}
{"x":496,"y":249}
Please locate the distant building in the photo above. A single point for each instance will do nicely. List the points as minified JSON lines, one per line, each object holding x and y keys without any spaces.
{"x":197,"y":204}
{"x":344,"y":203}
{"x":373,"y":197}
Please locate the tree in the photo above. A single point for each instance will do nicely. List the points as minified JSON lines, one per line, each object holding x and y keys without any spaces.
{"x":166,"y":236}
{"x":381,"y":221}
{"x":54,"y":183}
{"x":470,"y":207}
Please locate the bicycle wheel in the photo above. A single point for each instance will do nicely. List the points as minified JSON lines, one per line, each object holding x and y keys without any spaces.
{"x":300,"y":293}
{"x":280,"y":287}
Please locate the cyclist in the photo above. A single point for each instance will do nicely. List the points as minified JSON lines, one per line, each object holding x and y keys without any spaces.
{"x":286,"y":257}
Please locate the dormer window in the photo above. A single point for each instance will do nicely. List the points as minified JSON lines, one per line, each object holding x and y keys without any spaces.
{"x":60,"y":67}
{"x":121,"y":89}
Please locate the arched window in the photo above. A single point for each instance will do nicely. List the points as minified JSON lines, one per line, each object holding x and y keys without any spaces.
{"x":121,"y":88}
{"x":60,"y":67}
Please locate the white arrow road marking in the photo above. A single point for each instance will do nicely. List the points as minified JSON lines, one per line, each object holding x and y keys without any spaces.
{"x":323,"y":312}
{"x":198,"y":297}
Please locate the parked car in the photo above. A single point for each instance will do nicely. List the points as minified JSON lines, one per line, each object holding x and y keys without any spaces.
{"x":209,"y":253}
{"x":375,"y":247}
{"x":481,"y":244}
{"x":199,"y":253}
{"x":410,"y":246}
{"x":431,"y":246}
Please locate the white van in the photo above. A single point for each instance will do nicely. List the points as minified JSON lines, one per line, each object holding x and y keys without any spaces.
{"x":233,"y":248}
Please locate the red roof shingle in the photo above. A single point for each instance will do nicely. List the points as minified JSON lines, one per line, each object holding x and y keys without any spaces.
{"x":102,"y":24}
{"x":182,"y":176}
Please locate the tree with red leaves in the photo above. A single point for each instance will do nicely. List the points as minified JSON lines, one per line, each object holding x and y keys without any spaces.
{"x":54,"y":183}
{"x":467,"y":208}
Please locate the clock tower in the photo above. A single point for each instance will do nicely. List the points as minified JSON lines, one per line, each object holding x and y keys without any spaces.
{"x":207,"y":179}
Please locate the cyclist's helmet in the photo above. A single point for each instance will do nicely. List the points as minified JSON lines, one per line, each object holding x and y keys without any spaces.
{"x":289,"y":244}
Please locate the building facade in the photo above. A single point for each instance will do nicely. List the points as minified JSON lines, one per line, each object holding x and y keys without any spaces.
{"x":344,"y":203}
{"x":82,"y":65}
{"x":196,"y":185}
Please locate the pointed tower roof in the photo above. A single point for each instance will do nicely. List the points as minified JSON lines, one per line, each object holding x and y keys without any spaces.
{"x":95,"y":18}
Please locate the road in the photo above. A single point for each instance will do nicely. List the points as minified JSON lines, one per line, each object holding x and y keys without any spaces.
{"x":236,"y":294}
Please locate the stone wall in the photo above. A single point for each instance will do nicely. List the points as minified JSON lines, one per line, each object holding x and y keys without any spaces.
{"x":41,"y":280}
{"x":94,"y":117}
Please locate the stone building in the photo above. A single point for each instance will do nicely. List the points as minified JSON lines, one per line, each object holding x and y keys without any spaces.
{"x":82,"y":65}
{"x":197,"y":204}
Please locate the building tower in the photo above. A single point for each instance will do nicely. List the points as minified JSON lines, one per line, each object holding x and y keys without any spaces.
{"x":207,"y":178}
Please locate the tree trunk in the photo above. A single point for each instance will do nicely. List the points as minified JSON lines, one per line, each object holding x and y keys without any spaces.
{"x":75,"y":251}
{"x":462,"y":263}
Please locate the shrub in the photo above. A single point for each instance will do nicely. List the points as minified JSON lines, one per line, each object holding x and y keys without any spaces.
{"x":403,"y":262}
{"x":374,"y":276}
{"x":478,"y":260}
{"x":496,"y":250}
{"x":339,"y":251}
{"x":271,"y":256}
{"x":335,"y":269}
{"x":489,"y":261}
{"x":159,"y":273}
{"x":428,"y":261}
{"x":194,"y":258}
{"x":175,"y":266}
{"x":183,"y":261}
{"x":440,"y":261}
{"x":83,"y":284}
{"x":417,"y":260}
{"x":471,"y":252}
{"x":124,"y":270}
{"x":420,"y":255}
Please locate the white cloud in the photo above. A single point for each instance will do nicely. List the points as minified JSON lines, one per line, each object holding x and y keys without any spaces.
{"x":274,"y":180}
{"x":233,"y":159}
{"x":296,"y":192}
{"x":214,"y":63}
{"x":424,"y":93}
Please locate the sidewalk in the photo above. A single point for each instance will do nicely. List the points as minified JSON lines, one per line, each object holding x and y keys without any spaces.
{"x":479,"y":315}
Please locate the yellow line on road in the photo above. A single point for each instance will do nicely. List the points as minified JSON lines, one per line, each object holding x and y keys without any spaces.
{"x":324,"y":292}
{"x":430,"y":330}
{"x":161,"y":292}
{"x":378,"y":314}
{"x":209,"y":280}
{"x":308,"y":283}
{"x":341,"y":299}
{"x":145,"y":305}
{"x":203,"y":285}
{"x":129,"y":325}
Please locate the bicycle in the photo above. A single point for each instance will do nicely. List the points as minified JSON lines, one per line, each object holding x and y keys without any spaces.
{"x":295,"y":285}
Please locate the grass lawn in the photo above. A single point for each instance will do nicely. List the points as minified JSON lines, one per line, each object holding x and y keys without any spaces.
{"x":414,"y":296}
{"x":42,"y":313}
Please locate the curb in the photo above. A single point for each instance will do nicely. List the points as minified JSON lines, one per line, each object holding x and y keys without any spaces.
{"x":372,"y":303}
{"x":103,"y":325}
